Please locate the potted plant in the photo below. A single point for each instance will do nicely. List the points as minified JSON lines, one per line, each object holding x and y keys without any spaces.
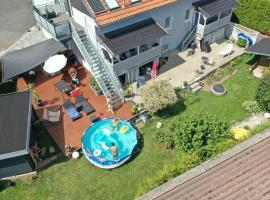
{"x":129,"y":92}
{"x":134,"y":109}
{"x":95,"y":87}
{"x":31,"y":87}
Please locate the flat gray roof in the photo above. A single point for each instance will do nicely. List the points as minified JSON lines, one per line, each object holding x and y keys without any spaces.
{"x":213,"y":7}
{"x":260,"y":48}
{"x":15,"y":124}
{"x":132,"y":36}
{"x":16,"y":18}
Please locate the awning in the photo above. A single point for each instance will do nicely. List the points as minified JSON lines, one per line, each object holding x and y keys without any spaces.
{"x":15,"y":124}
{"x":260,"y":48}
{"x":132,"y":36}
{"x":213,"y":7}
{"x":23,"y":60}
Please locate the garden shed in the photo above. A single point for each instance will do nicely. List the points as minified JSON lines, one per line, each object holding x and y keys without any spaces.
{"x":15,"y":134}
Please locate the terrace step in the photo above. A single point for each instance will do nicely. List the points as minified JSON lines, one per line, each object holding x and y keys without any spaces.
{"x":197,"y":88}
{"x":194,"y":85}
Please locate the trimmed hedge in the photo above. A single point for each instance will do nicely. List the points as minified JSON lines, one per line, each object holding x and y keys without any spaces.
{"x":254,"y":14}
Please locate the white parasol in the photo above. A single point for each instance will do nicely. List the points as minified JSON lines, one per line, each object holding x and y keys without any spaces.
{"x":55,"y":64}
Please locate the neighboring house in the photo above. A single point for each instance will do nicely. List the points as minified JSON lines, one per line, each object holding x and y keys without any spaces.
{"x":15,"y":134}
{"x":117,"y":41}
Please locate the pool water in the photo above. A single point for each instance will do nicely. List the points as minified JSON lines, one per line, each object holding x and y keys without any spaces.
{"x":99,"y":137}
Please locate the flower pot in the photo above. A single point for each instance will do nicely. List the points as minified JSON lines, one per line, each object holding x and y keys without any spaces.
{"x":38,"y":102}
{"x":97,"y":93}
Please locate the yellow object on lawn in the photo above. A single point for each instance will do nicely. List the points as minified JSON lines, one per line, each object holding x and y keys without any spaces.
{"x":239,"y":133}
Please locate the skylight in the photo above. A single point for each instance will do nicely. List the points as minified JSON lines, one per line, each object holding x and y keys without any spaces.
{"x":135,"y":1}
{"x":112,"y":4}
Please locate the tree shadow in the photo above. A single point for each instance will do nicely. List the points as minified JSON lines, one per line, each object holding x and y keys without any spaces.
{"x":172,"y":110}
{"x":235,"y":18}
{"x":6,"y":184}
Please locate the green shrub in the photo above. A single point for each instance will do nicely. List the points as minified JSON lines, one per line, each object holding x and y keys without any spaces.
{"x":263,"y":94}
{"x":165,"y":138}
{"x":158,"y":96}
{"x":254,"y":14}
{"x":251,"y":106}
{"x":241,"y":42}
{"x":168,"y":172}
{"x":188,"y":97}
{"x":198,"y":133}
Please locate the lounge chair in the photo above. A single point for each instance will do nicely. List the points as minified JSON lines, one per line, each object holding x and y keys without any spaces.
{"x":51,"y":115}
{"x":227,"y":51}
{"x":86,"y":107}
{"x":71,"y":110}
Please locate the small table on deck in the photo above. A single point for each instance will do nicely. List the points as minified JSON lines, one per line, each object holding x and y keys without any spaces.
{"x":63,"y":86}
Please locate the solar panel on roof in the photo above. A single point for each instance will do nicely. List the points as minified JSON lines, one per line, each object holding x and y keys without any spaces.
{"x":112,"y":4}
{"x":96,"y":6}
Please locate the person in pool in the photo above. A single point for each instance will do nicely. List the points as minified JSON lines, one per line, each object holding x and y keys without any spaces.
{"x":114,"y":150}
{"x":115,"y":123}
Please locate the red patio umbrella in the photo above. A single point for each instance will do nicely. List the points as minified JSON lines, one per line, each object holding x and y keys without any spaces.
{"x":154,"y":69}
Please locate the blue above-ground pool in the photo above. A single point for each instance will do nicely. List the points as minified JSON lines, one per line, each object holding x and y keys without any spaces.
{"x":98,"y":139}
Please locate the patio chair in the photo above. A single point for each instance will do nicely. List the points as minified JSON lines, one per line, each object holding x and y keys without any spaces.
{"x":86,"y":107}
{"x":71,"y":110}
{"x":52,"y":115}
{"x":227,"y":51}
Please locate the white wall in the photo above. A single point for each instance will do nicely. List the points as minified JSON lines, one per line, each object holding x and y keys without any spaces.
{"x":86,"y":22}
{"x":42,"y":2}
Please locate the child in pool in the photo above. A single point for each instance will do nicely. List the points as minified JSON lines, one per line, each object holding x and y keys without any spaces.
{"x":114,"y":150}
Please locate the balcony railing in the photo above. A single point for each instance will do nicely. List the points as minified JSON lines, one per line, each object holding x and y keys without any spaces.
{"x":137,"y":60}
{"x":45,"y":18}
{"x":208,"y":28}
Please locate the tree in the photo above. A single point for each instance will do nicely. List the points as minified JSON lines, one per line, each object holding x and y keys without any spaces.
{"x":263,"y":94}
{"x":158,"y":96}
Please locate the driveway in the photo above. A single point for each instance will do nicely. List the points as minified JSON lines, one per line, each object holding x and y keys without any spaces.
{"x":16,"y":18}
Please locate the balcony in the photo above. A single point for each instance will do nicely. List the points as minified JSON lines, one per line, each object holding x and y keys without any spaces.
{"x":208,"y":28}
{"x":138,"y":60}
{"x":54,"y":20}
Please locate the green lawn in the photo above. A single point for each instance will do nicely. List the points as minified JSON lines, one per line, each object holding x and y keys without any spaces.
{"x":77,"y":179}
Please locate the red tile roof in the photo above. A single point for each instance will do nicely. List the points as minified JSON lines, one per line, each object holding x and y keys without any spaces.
{"x":126,"y":9}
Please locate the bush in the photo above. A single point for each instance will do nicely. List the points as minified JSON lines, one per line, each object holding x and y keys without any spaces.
{"x":263,"y":94}
{"x":198,"y":133}
{"x":251,"y":106}
{"x":169,"y":171}
{"x":165,"y":138}
{"x":241,"y":42}
{"x":188,"y":97}
{"x":254,"y":14}
{"x":158,"y":96}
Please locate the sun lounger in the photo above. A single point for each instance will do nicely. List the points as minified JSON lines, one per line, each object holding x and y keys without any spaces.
{"x":86,"y":107}
{"x":71,"y":110}
{"x":227,"y":51}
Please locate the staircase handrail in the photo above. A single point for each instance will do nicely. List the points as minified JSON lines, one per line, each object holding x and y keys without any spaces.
{"x":80,"y":44}
{"x":184,"y":45}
